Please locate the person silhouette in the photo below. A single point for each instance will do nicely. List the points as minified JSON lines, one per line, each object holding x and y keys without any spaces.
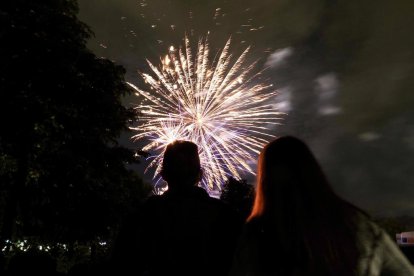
{"x":299,"y":226}
{"x":182,"y":232}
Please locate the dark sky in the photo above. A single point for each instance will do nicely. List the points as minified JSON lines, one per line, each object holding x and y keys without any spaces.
{"x":344,"y":69}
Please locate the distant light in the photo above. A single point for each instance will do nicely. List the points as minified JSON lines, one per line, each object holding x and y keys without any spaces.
{"x":405,"y":238}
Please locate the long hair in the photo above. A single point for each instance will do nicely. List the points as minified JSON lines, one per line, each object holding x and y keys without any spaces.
{"x":312,"y":228}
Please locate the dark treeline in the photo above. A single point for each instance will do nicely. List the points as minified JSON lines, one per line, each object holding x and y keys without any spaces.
{"x":64,"y":180}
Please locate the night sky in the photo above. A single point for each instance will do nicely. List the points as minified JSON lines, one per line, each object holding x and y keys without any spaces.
{"x":344,"y":70}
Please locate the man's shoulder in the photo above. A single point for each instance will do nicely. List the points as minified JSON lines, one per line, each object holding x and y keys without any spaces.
{"x":199,"y":200}
{"x":154,"y":201}
{"x":224,"y":209}
{"x":219,"y":203}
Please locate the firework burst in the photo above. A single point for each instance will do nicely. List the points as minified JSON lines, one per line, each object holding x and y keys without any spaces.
{"x":220,"y":105}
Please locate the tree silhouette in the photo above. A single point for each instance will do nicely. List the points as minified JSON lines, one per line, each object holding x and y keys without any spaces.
{"x":63,"y":175}
{"x":239,"y":194}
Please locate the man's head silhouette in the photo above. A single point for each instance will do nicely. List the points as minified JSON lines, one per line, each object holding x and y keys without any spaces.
{"x":181,"y":165}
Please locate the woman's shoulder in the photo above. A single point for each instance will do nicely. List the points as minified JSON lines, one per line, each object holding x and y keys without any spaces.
{"x":254,"y":225}
{"x":368,"y":233}
{"x":379,"y":252}
{"x":367,"y":228}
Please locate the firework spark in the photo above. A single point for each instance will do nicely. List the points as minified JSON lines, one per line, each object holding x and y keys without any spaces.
{"x":218,"y":104}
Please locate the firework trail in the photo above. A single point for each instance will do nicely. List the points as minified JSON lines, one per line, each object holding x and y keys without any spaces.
{"x":220,"y":105}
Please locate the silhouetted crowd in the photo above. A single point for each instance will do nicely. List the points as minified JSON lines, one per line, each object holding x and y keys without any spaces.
{"x":297,"y":226}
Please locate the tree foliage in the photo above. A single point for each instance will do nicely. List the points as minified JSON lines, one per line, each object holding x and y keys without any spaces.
{"x":239,"y":194}
{"x":63,"y":174}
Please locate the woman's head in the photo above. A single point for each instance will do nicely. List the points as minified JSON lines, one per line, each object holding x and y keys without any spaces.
{"x":307,"y":221}
{"x":289,"y":177}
